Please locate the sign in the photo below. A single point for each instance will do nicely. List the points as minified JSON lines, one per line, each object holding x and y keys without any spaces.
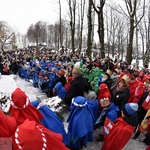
{"x":108,"y":125}
{"x":145,"y":123}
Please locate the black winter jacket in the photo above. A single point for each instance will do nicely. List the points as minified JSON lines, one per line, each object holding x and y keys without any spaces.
{"x":77,"y":88}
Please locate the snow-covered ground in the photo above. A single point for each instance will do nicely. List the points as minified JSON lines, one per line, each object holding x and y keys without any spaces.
{"x":9,"y":83}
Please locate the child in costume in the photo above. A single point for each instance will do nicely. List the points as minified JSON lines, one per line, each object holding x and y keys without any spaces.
{"x":93,"y":103}
{"x":59,"y":90}
{"x":22,"y":109}
{"x":123,"y":128}
{"x":33,"y":136}
{"x":80,"y":123}
{"x":108,"y":109}
{"x":51,"y":121}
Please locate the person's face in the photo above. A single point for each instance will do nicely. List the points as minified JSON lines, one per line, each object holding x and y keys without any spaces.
{"x":105,"y":76}
{"x":121,"y":84}
{"x":74,"y":75}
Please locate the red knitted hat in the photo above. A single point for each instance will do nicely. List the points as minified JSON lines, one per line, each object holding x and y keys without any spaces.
{"x":104,"y":95}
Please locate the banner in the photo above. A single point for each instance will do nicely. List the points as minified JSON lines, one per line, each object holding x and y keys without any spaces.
{"x":108,"y":125}
{"x":146,"y":121}
{"x":146,"y":103}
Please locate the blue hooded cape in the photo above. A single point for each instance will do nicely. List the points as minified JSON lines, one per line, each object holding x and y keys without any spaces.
{"x":60,"y":90}
{"x":94,"y":106}
{"x":80,"y":119}
{"x":51,"y":120}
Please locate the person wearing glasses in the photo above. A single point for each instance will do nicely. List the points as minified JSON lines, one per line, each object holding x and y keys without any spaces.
{"x":77,"y":85}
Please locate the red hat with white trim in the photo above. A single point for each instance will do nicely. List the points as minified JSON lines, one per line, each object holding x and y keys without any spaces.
{"x":104,"y":95}
{"x":21,"y":108}
{"x":33,"y":136}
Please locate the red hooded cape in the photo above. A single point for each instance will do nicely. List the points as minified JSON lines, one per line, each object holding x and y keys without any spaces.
{"x":119,"y":135}
{"x":8,"y":125}
{"x":132,"y":85}
{"x":33,"y":136}
{"x":21,"y":108}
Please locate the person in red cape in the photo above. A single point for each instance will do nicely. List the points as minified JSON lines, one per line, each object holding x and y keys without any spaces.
{"x":21,"y":108}
{"x":8,"y":125}
{"x":123,"y":128}
{"x":138,"y":91}
{"x":146,"y":78}
{"x":144,"y":106}
{"x":33,"y":136}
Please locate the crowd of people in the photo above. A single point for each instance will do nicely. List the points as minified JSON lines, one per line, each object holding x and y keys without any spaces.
{"x":95,"y":90}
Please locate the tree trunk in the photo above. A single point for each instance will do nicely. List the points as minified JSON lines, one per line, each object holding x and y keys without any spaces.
{"x":89,"y":39}
{"x":130,"y":44}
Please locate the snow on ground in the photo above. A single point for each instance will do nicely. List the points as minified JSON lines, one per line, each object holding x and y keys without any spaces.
{"x":9,"y":83}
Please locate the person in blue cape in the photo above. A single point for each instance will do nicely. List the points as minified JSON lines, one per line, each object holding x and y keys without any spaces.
{"x":59,"y":90}
{"x":80,"y":123}
{"x":93,"y":103}
{"x":51,"y":121}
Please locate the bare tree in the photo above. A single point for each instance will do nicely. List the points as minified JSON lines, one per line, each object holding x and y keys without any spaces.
{"x":82,"y":11}
{"x":90,"y":29}
{"x":5,"y":34}
{"x":37,"y":33}
{"x":60,"y":29}
{"x":113,"y":26}
{"x":147,"y":53}
{"x":99,"y":10}
{"x":132,"y":10}
{"x":72,"y":13}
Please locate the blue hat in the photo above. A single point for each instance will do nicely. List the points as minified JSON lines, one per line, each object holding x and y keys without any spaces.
{"x":130,"y":109}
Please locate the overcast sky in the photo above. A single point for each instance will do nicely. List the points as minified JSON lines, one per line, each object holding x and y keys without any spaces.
{"x":20,"y":14}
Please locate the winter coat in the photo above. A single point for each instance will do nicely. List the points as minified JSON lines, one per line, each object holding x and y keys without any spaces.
{"x":115,"y":80}
{"x":121,"y":98}
{"x":77,"y":88}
